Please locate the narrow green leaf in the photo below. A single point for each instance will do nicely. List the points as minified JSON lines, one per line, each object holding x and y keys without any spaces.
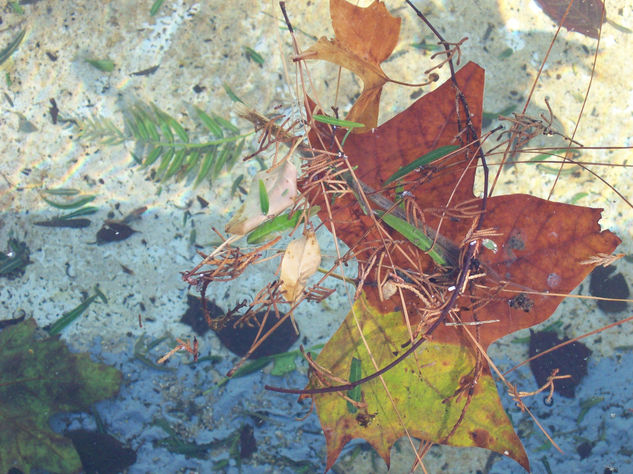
{"x":192,"y":160}
{"x":207,"y":163}
{"x":219,"y":163}
{"x":180,"y":131}
{"x":355,"y":374}
{"x":67,"y":318}
{"x":336,"y":122}
{"x":105,"y":65}
{"x":208,"y":122}
{"x":254,"y":55}
{"x":150,"y":126}
{"x":16,"y":7}
{"x":235,"y":154}
{"x":545,"y":156}
{"x":12,"y":46}
{"x":263,"y":197}
{"x":577,"y":197}
{"x":155,"y":7}
{"x":234,"y":187}
{"x":164,"y":163}
{"x":166,"y":130}
{"x":82,"y":211}
{"x":175,"y":165}
{"x":413,"y":235}
{"x":137,"y":125}
{"x":62,"y":191}
{"x":226,"y":124}
{"x":278,"y":224}
{"x":422,"y":161}
{"x":493,"y":115}
{"x":153,"y":156}
{"x":72,"y":204}
{"x":231,"y":94}
{"x":506,"y":53}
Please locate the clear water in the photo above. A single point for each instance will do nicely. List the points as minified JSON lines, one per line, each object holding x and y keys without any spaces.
{"x":199,"y":48}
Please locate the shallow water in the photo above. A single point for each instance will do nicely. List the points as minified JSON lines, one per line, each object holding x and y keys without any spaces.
{"x":198,"y":48}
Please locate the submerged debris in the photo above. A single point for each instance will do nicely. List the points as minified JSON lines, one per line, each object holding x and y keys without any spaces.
{"x":570,"y":360}
{"x":113,"y":231}
{"x":15,"y":259}
{"x":605,"y":285}
{"x":100,"y":452}
{"x":238,"y":339}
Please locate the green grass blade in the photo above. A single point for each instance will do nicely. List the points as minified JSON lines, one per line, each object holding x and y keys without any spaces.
{"x":413,"y":235}
{"x":355,"y":374}
{"x":82,"y":211}
{"x":104,"y":65}
{"x":12,"y":46}
{"x":263,"y":198}
{"x":62,"y":191}
{"x":422,"y":161}
{"x":67,"y":318}
{"x":155,"y":7}
{"x":336,"y":122}
{"x":274,"y":226}
{"x":72,"y":204}
{"x":231,"y":94}
{"x":254,"y":55}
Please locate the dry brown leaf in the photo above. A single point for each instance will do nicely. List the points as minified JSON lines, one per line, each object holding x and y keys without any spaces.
{"x":365,"y":37}
{"x":301,"y":260}
{"x":281,"y":186}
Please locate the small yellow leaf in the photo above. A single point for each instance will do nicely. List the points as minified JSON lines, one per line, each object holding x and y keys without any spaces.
{"x":301,"y":260}
{"x":280,"y":184}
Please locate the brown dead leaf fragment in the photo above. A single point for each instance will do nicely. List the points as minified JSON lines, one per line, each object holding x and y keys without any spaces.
{"x":365,"y":37}
{"x":584,"y":16}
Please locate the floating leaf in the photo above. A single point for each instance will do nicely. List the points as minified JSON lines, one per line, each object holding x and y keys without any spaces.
{"x":301,"y":260}
{"x":365,"y":37}
{"x":281,"y":186}
{"x":584,"y":16}
{"x":541,"y":247}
